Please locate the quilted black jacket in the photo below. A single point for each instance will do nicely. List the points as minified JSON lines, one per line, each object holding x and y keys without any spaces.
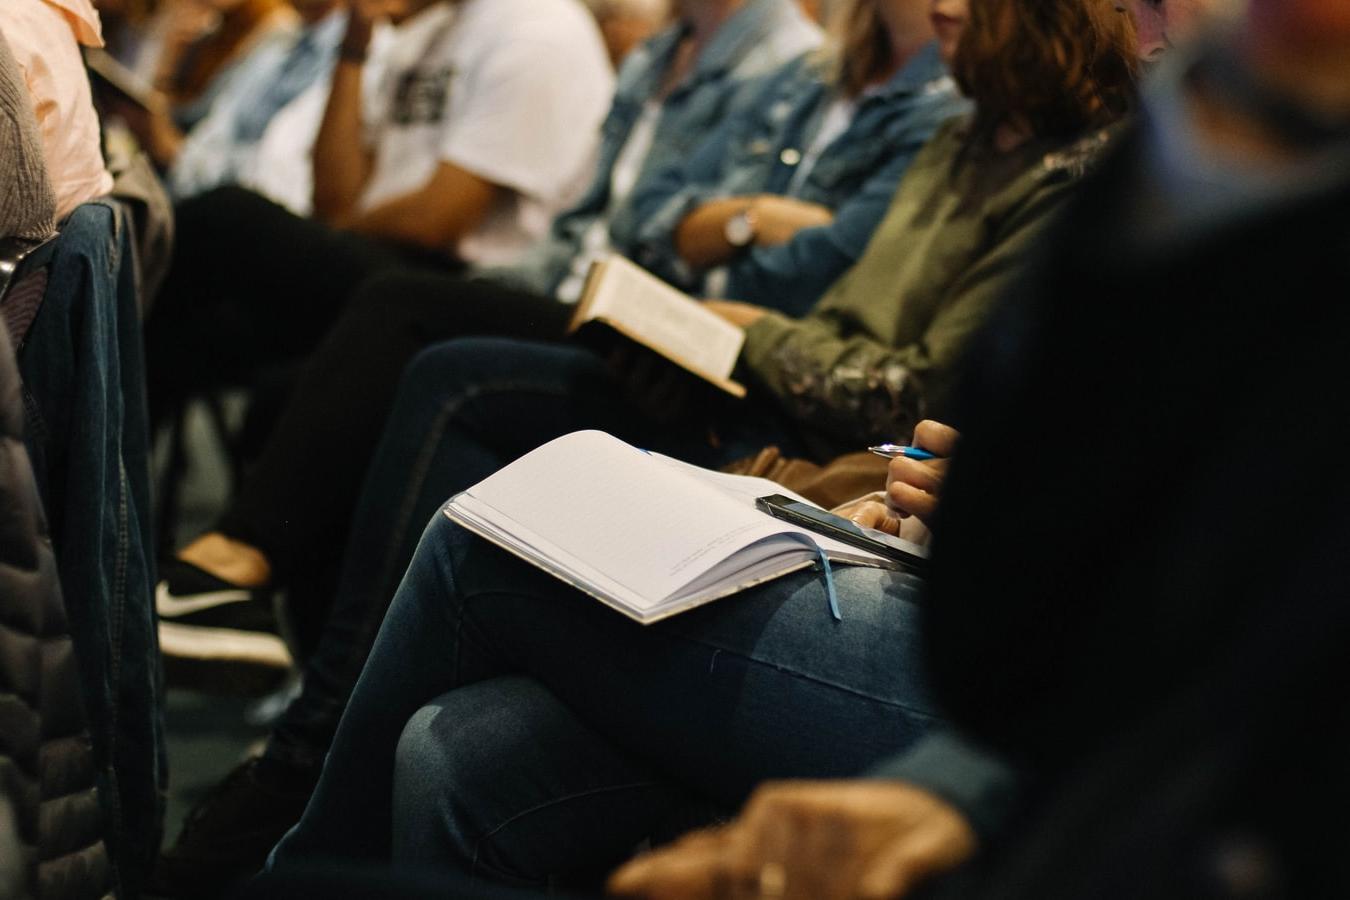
{"x":51,"y":822}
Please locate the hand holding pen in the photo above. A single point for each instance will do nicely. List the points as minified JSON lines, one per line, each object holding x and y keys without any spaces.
{"x":914,"y":477}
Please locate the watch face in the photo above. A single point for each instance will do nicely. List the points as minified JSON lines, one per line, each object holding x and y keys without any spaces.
{"x":739,"y":230}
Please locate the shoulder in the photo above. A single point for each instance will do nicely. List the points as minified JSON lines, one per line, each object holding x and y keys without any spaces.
{"x":537,"y":36}
{"x":547,"y":21}
{"x":785,"y":35}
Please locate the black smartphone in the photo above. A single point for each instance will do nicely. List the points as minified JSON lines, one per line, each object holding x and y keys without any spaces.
{"x":841,"y":529}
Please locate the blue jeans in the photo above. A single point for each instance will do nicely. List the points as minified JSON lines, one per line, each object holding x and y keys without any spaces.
{"x":84,"y":380}
{"x":464,"y":409}
{"x":509,"y":726}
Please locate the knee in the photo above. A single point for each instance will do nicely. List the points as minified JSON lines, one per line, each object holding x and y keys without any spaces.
{"x":453,"y":757}
{"x":458,"y":363}
{"x":429,"y":784}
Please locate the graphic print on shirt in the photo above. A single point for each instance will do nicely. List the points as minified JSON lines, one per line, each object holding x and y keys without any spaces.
{"x":421,"y":96}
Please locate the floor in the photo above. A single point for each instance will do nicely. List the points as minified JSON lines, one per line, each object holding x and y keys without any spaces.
{"x":207,"y":734}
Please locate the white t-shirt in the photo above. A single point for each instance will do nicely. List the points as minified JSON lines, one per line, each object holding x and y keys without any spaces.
{"x":513,"y":91}
{"x":281,"y":165}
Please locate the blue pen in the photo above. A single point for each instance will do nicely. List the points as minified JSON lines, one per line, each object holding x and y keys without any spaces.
{"x":891,"y":451}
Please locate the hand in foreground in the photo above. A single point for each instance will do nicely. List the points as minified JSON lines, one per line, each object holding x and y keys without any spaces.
{"x":913,"y":486}
{"x":809,"y":840}
{"x":872,"y":511}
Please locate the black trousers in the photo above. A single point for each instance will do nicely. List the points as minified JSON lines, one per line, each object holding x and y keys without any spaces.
{"x":251,"y":285}
{"x":297,"y":499}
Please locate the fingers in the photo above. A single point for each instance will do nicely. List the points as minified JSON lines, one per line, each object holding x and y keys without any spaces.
{"x":908,"y":500}
{"x":914,"y":486}
{"x":875,"y":515}
{"x":941,"y":841}
{"x":936,"y":437}
{"x":810,"y":841}
{"x":924,"y":475}
{"x":689,"y":868}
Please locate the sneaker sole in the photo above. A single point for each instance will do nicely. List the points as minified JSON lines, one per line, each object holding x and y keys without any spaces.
{"x":222,"y":660}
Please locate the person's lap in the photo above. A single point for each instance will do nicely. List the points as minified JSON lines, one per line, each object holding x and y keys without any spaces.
{"x":714,"y":701}
{"x":464,"y":409}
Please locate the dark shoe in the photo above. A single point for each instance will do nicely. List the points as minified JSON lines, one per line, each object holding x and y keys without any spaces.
{"x":217,"y":636}
{"x":227,"y":836}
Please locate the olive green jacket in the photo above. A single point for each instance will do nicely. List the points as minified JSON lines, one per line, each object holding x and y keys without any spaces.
{"x":880,"y":349}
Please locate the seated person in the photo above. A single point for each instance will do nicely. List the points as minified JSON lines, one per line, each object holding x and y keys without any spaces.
{"x":27,"y":203}
{"x":224,"y":147}
{"x":685,"y":79}
{"x":784,"y":197}
{"x":627,"y":23}
{"x":512,"y":728}
{"x":45,"y":37}
{"x":204,"y":43}
{"x":819,"y":226}
{"x":441,"y":439}
{"x":1169,"y":694}
{"x":481,"y":125}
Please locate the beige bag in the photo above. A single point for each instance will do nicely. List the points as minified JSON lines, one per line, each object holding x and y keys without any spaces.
{"x":838,"y":481}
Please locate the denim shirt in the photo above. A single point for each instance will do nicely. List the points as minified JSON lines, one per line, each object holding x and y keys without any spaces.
{"x":760,"y":37}
{"x":757,"y":151}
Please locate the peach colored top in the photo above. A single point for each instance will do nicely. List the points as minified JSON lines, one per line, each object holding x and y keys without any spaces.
{"x":45,"y":36}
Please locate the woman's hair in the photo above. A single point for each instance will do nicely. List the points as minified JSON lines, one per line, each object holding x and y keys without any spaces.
{"x":1059,"y":67}
{"x":860,"y":48}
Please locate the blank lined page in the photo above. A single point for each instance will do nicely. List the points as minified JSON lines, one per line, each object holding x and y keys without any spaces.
{"x":597,"y":498}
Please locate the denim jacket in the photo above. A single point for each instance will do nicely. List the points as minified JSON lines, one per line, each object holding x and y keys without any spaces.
{"x":87,"y":434}
{"x":756,"y":151}
{"x":761,"y":36}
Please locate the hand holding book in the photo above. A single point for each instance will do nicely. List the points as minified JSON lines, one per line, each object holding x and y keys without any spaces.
{"x":742,"y":315}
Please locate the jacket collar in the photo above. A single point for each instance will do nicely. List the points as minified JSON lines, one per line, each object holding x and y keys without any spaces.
{"x":733,"y":40}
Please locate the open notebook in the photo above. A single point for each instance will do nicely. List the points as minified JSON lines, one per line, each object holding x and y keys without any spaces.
{"x":646,"y":534}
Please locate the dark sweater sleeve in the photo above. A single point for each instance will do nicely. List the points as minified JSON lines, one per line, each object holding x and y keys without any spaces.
{"x":984,"y":786}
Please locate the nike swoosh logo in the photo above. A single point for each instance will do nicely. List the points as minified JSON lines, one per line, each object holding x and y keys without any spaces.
{"x":171,"y":607}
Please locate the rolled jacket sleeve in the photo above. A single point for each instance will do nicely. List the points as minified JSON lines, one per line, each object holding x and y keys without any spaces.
{"x":794,"y":275}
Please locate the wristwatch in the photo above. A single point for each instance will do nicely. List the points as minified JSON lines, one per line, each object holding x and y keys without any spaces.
{"x":741,"y":229}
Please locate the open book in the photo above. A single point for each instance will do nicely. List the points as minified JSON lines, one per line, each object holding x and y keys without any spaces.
{"x":646,"y":534}
{"x":645,"y":309}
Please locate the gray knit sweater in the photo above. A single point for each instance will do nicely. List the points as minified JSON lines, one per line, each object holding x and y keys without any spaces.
{"x":27,"y":204}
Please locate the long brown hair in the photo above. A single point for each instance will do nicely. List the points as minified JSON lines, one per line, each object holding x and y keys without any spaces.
{"x":1059,"y":67}
{"x":860,"y":44}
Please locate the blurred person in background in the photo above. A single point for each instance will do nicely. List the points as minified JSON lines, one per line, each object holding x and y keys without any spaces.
{"x":290,"y":514}
{"x":482,"y":124}
{"x":627,"y":23}
{"x":234,"y":142}
{"x":204,"y":41}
